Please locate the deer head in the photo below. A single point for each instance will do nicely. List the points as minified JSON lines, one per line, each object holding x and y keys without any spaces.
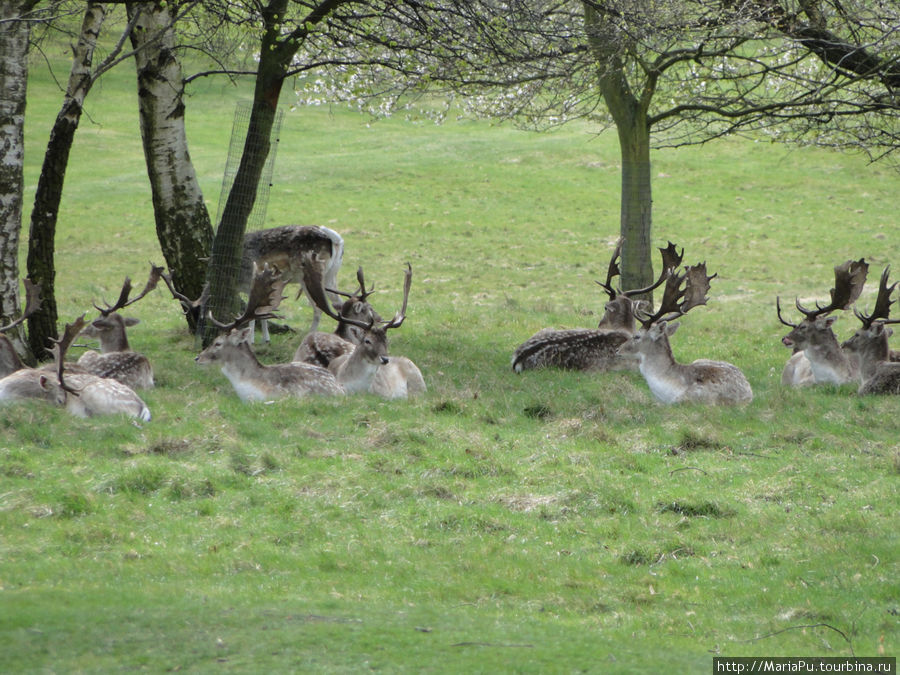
{"x":870,"y":342}
{"x":355,"y":308}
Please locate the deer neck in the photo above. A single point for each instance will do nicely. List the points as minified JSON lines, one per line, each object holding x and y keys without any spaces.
{"x":828,"y":361}
{"x":116,"y":341}
{"x":357,"y":371}
{"x":661,"y":371}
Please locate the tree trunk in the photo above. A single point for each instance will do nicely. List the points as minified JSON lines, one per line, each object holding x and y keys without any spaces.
{"x":183,"y":225}
{"x":42,"y":235}
{"x":13,"y":82}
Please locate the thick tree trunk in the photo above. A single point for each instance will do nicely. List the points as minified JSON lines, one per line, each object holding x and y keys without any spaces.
{"x":42,"y":235}
{"x":183,"y":224}
{"x":13,"y":80}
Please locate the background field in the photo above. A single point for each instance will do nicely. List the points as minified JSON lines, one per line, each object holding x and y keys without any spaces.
{"x":540,"y":522}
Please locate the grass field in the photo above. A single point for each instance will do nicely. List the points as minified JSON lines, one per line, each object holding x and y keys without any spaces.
{"x":543,"y":522}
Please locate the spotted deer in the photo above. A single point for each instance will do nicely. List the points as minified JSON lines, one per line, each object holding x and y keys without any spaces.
{"x":290,"y":249}
{"x":593,"y":349}
{"x":116,"y":359}
{"x":368,"y":368}
{"x":253,"y":381}
{"x":321,"y":348}
{"x":703,"y":381}
{"x":825,"y":361}
{"x":878,"y":372}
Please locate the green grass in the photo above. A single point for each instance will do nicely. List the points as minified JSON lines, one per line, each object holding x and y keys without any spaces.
{"x":540,"y":522}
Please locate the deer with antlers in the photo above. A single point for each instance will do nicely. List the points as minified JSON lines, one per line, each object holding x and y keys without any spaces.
{"x":818,"y":357}
{"x":322,"y":348}
{"x":594,"y":349}
{"x":116,"y":359}
{"x":252,"y":380}
{"x":879,"y":371}
{"x":703,"y":381}
{"x":368,"y":368}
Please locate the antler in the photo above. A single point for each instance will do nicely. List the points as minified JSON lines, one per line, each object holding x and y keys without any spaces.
{"x":883,"y":302}
{"x":312,"y":280}
{"x":612,"y":271}
{"x":61,"y":346}
{"x":401,"y":315}
{"x":849,"y":279}
{"x":189,"y":306}
{"x":361,"y":294}
{"x":671,"y":259}
{"x":683,"y":292}
{"x":32,"y":304}
{"x":264,"y":297}
{"x":123,"y":301}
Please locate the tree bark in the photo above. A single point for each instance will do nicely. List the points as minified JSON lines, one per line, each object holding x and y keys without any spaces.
{"x":183,"y":224}
{"x":14,"y":34}
{"x":42,"y":234}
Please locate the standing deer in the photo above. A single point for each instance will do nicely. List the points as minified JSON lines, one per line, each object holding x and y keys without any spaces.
{"x":703,"y":381}
{"x":814,"y":338}
{"x":252,"y":380}
{"x":290,"y":249}
{"x":322,"y":348}
{"x":878,"y":373}
{"x":593,"y":349}
{"x":116,"y":359}
{"x":368,"y":368}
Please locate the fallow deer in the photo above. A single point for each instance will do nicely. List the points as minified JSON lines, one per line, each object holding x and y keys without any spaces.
{"x":116,"y":359}
{"x":814,"y":337}
{"x":368,"y":368}
{"x":593,"y":349}
{"x":86,"y":394}
{"x":289,"y":249}
{"x":322,"y":348}
{"x":252,"y":380}
{"x":878,"y":373}
{"x":703,"y":381}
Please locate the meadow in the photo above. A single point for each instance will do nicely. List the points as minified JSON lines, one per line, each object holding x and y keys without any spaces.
{"x":542,"y":522}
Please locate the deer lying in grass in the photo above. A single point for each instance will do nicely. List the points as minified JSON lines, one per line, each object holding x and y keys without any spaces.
{"x":878,"y":373}
{"x":116,"y":359}
{"x":703,"y":381}
{"x":593,"y":349}
{"x":322,"y":348}
{"x":252,"y":380}
{"x":813,"y":338}
{"x":289,"y":249}
{"x":368,"y":368}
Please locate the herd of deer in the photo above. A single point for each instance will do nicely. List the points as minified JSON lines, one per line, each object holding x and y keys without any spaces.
{"x":355,"y":357}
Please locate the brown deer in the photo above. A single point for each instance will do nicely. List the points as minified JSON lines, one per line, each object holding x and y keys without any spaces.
{"x":593,"y":349}
{"x":252,"y":380}
{"x":368,"y":368}
{"x":86,"y":394}
{"x":878,"y":373}
{"x":814,"y":337}
{"x":116,"y":359}
{"x":289,"y":249}
{"x":322,"y":348}
{"x":703,"y":381}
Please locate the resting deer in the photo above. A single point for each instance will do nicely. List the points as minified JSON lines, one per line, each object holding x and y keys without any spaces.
{"x":116,"y":359}
{"x":86,"y":394}
{"x":368,"y":368}
{"x":593,"y":349}
{"x":814,"y":338}
{"x":878,"y":374}
{"x":703,"y":381}
{"x":252,"y":380}
{"x":289,"y":249}
{"x":322,"y":348}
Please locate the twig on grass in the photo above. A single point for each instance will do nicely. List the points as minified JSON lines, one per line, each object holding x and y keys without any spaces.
{"x":813,"y":625}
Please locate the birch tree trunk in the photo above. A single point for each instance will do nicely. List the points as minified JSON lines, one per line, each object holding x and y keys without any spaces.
{"x":183,"y":224}
{"x":42,"y":234}
{"x":14,"y":35}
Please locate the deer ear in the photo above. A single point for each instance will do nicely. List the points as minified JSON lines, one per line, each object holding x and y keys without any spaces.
{"x":671,"y":328}
{"x":829,"y":320}
{"x":244,"y":334}
{"x":131,"y":321}
{"x":42,"y":380}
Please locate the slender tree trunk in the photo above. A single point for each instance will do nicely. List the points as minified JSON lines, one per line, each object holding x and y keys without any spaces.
{"x":183,"y":225}
{"x":42,"y":235}
{"x":13,"y":82}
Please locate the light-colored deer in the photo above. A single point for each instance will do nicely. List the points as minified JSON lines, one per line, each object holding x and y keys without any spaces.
{"x":368,"y":368}
{"x":593,"y":349}
{"x":816,"y":348}
{"x":252,"y":380}
{"x":116,"y":359}
{"x":703,"y":381}
{"x":322,"y":348}
{"x":878,"y":373}
{"x":289,"y":249}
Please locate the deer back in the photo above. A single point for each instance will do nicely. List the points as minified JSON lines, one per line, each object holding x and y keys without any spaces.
{"x":572,"y":349}
{"x":87,"y":395}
